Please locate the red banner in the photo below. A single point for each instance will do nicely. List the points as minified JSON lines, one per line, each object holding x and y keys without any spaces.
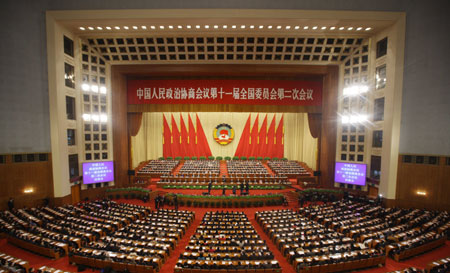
{"x":260,"y":92}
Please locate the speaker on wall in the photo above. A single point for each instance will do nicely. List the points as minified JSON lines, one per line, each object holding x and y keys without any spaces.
{"x":317,"y":173}
{"x":131,"y":172}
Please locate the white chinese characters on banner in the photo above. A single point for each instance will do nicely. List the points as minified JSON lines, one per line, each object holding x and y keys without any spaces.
{"x":217,"y":93}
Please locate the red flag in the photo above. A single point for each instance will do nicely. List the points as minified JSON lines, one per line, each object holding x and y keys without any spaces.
{"x":244,"y":140}
{"x":176,"y":137}
{"x":192,"y":141}
{"x":271,"y":139}
{"x":253,"y":147}
{"x":202,"y":142}
{"x":279,"y":146}
{"x":184,"y":138}
{"x":262,"y":141}
{"x":167,"y":145}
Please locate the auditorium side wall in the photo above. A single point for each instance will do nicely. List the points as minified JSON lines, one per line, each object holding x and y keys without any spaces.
{"x":433,"y":180}
{"x":17,"y":177}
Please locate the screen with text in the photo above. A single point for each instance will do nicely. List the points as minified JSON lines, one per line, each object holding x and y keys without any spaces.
{"x":350,"y":173}
{"x":97,"y":172}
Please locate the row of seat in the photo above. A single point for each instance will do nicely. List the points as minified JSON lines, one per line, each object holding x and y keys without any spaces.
{"x":226,"y":241}
{"x":117,"y":266}
{"x":311,"y":247}
{"x":345,"y":266}
{"x":144,"y":242}
{"x":418,"y":250}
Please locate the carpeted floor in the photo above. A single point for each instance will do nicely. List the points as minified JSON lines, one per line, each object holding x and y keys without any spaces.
{"x":168,"y":267}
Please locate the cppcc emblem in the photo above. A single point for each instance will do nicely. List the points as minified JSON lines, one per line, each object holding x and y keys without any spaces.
{"x":223,"y":134}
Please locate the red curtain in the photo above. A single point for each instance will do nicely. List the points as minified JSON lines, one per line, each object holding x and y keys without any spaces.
{"x":202,"y":141}
{"x":271,"y":139}
{"x":134,"y":123}
{"x":184,"y":138}
{"x":314,"y":120}
{"x":192,"y":138}
{"x":262,"y":141}
{"x":167,"y":139}
{"x":244,"y":140}
{"x":279,"y":146}
{"x":176,"y":140}
{"x":253,"y":147}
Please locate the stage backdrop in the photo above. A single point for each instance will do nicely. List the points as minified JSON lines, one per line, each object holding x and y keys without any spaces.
{"x":298,"y":142}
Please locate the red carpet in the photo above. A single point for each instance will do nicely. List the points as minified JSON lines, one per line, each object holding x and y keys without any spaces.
{"x":37,"y":261}
{"x":223,"y":169}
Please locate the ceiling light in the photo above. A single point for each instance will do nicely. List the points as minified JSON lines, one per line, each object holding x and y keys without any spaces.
{"x":269,"y":27}
{"x":171,"y":27}
{"x":341,"y":28}
{"x":216,"y":26}
{"x":368,"y":28}
{"x":152,"y":27}
{"x":345,"y":119}
{"x":243,"y":26}
{"x":85,"y":87}
{"x":206,"y":26}
{"x":82,"y":28}
{"x":108,"y":28}
{"x":135,"y":27}
{"x":116,"y":27}
{"x":252,"y":26}
{"x":288,"y":27}
{"x":99,"y":28}
{"x":350,"y":28}
{"x":260,"y":27}
{"x":323,"y":28}
{"x":126,"y":27}
{"x":296,"y":27}
{"x":86,"y":117}
{"x":197,"y":26}
{"x":143,"y":27}
{"x":94,"y":88}
{"x":225,"y":26}
{"x":103,"y":118}
{"x":332,"y":28}
{"x":180,"y":27}
{"x":28,"y":190}
{"x":423,"y":193}
{"x":90,"y":28}
{"x":356,"y":118}
{"x":188,"y":26}
{"x":355,"y":90}
{"x":278,"y":27}
{"x":314,"y":27}
{"x":161,"y":27}
{"x":358,"y":29}
{"x":305,"y":27}
{"x":233,"y":26}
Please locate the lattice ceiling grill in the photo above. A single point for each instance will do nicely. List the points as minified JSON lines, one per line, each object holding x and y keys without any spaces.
{"x":226,"y":49}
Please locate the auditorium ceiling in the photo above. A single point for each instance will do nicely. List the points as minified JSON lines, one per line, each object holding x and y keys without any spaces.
{"x":199,"y":36}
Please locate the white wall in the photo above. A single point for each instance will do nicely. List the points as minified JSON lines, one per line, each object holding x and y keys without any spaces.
{"x":24,"y":109}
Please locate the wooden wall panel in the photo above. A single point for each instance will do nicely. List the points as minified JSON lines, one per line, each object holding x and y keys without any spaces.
{"x":433,"y":179}
{"x":328,"y":132}
{"x":15,"y":177}
{"x":119,"y":123}
{"x":61,"y":201}
{"x":94,"y":193}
